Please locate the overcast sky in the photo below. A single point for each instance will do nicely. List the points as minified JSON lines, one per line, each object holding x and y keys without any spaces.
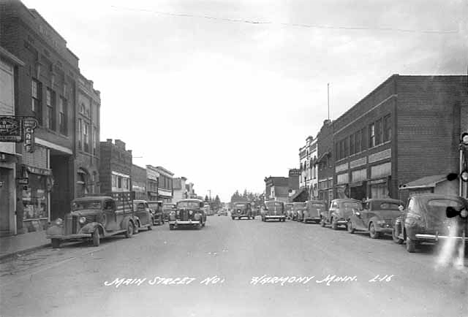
{"x":225,"y":92}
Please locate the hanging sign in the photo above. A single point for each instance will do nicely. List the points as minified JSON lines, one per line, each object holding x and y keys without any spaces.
{"x":11,"y":129}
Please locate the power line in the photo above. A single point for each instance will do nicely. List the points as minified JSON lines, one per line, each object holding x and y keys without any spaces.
{"x":207,"y":17}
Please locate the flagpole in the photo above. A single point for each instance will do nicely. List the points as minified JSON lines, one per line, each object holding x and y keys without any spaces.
{"x":328,"y":100}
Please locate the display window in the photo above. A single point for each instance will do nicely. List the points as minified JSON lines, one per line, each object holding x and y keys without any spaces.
{"x":34,"y":199}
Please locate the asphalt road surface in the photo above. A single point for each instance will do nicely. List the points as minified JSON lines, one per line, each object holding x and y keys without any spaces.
{"x":235,"y":268}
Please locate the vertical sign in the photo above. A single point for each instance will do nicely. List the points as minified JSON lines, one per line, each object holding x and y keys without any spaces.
{"x":29,"y":125}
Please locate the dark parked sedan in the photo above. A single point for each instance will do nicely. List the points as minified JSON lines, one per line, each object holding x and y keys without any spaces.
{"x":425,"y":220}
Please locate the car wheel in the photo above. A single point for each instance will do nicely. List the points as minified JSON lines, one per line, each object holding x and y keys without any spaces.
{"x":395,"y":236}
{"x":374,"y":234}
{"x":55,"y":243}
{"x":350,"y":227}
{"x":171,"y":227}
{"x":136,"y":228}
{"x":322,"y":222}
{"x":129,"y":232}
{"x":232,"y":218}
{"x":334,"y":224}
{"x":96,"y":238}
{"x":150,"y":225}
{"x":410,"y":245}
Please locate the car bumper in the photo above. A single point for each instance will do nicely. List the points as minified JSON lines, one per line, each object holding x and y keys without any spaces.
{"x":70,"y":237}
{"x":434,"y":237}
{"x":275,"y":217}
{"x":312,"y":218}
{"x":184,"y":222}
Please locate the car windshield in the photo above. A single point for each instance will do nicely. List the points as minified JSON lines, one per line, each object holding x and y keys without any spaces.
{"x":188,"y":204}
{"x":87,"y":204}
{"x":317,"y":205}
{"x":388,"y":206}
{"x":352,"y":205}
{"x":274,"y":205}
{"x":299,"y":205}
{"x":240,"y":205}
{"x":171,"y":206}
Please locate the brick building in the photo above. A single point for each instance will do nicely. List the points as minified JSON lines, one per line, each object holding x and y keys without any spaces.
{"x":325,"y":162}
{"x":277,"y":188}
{"x":138,"y":177}
{"x":115,"y":168}
{"x":47,"y":90}
{"x":307,"y":157}
{"x":407,"y":129}
{"x":159,"y":183}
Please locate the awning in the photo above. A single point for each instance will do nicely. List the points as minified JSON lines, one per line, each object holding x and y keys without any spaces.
{"x":425,"y":182}
{"x":298,"y":193}
{"x":321,"y":157}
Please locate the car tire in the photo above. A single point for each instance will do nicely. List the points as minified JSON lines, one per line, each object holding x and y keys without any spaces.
{"x":373,"y":233}
{"x":171,"y":227}
{"x":55,"y":243}
{"x":410,"y":245}
{"x":137,"y":227}
{"x":334,"y":225}
{"x":129,"y":232}
{"x":232,"y":218}
{"x":350,"y":227}
{"x":322,"y":222}
{"x":150,"y":226}
{"x":96,"y":238}
{"x":395,"y":236}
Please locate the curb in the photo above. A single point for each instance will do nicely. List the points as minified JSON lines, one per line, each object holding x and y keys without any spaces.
{"x":22,"y":252}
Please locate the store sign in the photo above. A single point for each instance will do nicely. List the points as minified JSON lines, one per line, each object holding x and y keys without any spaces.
{"x":29,"y":125}
{"x":11,"y":129}
{"x":23,"y":181}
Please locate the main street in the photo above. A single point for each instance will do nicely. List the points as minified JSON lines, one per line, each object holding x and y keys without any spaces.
{"x":234,"y":268}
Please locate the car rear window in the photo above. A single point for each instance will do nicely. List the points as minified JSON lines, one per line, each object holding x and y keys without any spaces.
{"x":351,"y":205}
{"x":389,"y":206}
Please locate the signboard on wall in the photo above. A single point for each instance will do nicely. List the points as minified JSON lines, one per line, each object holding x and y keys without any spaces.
{"x":18,"y":129}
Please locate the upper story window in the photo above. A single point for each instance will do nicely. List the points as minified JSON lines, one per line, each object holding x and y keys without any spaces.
{"x":80,"y":134}
{"x":387,"y":128}
{"x":357,"y":141}
{"x":371,"y":135}
{"x":50,"y":102}
{"x":36,"y":97}
{"x":378,"y":132}
{"x":63,"y":115}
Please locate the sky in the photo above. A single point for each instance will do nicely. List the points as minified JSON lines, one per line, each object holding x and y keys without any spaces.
{"x":225,"y":92}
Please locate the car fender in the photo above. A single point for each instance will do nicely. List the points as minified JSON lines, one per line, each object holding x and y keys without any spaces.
{"x":126,"y":221}
{"x":54,"y":230}
{"x":374,"y":220}
{"x":91,"y":227}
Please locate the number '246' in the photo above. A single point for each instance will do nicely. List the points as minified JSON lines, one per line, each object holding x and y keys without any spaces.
{"x":378,"y":278}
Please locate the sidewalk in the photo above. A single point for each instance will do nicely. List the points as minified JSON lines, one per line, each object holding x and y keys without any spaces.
{"x":12,"y":245}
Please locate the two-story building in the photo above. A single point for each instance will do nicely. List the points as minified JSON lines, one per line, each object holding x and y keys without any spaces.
{"x":179,"y":189}
{"x":115,"y":168}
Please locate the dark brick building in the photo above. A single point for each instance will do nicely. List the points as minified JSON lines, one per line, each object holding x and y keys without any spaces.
{"x":115,"y":168}
{"x":325,"y":161}
{"x":47,"y":90}
{"x":406,"y":129}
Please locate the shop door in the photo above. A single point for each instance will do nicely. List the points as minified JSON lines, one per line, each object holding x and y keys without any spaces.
{"x":5,"y":199}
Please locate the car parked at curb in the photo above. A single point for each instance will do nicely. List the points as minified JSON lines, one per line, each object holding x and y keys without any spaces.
{"x":298,"y":210}
{"x":156,"y":209}
{"x":95,"y":217}
{"x":288,"y":210}
{"x":425,"y":220}
{"x":188,"y":212}
{"x":273,"y":210}
{"x":314,"y":210}
{"x":167,"y":208}
{"x":377,"y":216}
{"x":339,"y":212}
{"x":143,"y":215}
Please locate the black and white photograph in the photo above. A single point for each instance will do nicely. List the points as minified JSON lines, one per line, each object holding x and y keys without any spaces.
{"x":233,"y":158}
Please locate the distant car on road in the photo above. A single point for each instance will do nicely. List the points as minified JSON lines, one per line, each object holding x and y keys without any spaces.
{"x":189,"y":212}
{"x":166,"y":210}
{"x":242,"y":210}
{"x":222,"y":212}
{"x":339,"y":212}
{"x":425,"y":220}
{"x":289,"y":211}
{"x":143,"y":215}
{"x":313,"y":211}
{"x":298,"y":210}
{"x":274,"y":210}
{"x":157,"y":211}
{"x":377,"y":217}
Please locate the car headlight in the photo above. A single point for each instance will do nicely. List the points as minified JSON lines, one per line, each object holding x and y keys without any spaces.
{"x":197,"y":216}
{"x":82,"y":220}
{"x":190,"y":212}
{"x":58,"y":221}
{"x":380,"y":222}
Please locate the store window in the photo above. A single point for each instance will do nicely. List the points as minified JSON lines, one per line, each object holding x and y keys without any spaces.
{"x":34,"y":199}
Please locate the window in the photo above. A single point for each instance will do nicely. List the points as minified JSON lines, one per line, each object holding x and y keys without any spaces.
{"x":337,"y":151}
{"x":95,"y":140}
{"x":363,"y":139}
{"x":36,"y":97}
{"x":86,"y":137}
{"x":63,"y":115}
{"x":50,"y":102}
{"x":371,"y":135}
{"x":80,"y":134}
{"x":352,"y":148}
{"x":378,"y":132}
{"x":387,"y":127}
{"x":358,"y":141}
{"x":345,"y":142}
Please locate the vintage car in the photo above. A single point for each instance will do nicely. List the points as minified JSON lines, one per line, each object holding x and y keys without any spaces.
{"x":288,"y":210}
{"x":242,"y":210}
{"x":377,"y":216}
{"x":273,"y":210}
{"x":298,"y":210}
{"x":188,"y":212}
{"x":167,"y":208}
{"x":95,"y":217}
{"x":313,"y":211}
{"x":143,"y":215}
{"x":339,"y":212}
{"x":157,"y":210}
{"x":222,"y":212}
{"x":425,"y":220}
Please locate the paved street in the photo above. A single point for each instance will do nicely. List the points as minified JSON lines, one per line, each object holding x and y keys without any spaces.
{"x":234,"y":268}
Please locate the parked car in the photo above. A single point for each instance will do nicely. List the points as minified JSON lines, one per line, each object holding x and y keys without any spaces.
{"x":143,"y":215}
{"x":339,"y":212}
{"x":95,"y":217}
{"x":166,"y":210}
{"x":425,"y":220}
{"x":273,"y":210}
{"x":242,"y":210}
{"x":157,"y":210}
{"x":222,"y":212}
{"x":313,"y":211}
{"x":289,"y":210}
{"x":189,"y":212}
{"x":298,"y":210}
{"x":377,"y":217}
